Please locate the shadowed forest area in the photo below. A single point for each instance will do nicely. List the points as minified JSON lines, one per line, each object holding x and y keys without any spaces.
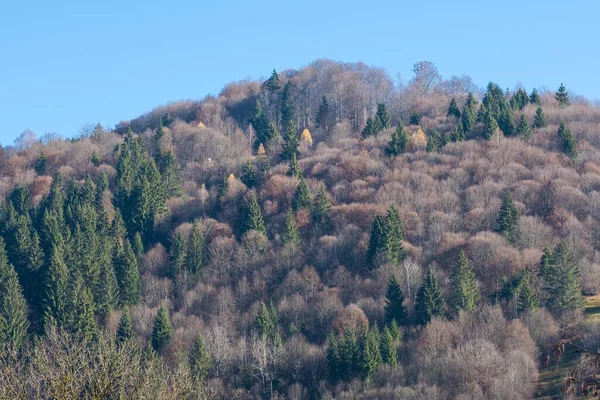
{"x":327,"y":233}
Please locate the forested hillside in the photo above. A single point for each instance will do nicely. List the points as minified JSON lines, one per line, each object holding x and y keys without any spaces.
{"x":325,"y":233}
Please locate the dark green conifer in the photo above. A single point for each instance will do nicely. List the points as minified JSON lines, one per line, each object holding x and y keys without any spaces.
{"x":222,"y":190}
{"x":162,"y":330}
{"x":127,"y":272}
{"x":523,"y":128}
{"x":322,"y":118}
{"x":519,"y":100}
{"x":434,"y":141}
{"x":106,"y":293}
{"x":527,"y":299}
{"x":272,"y":83}
{"x":372,"y":128}
{"x":397,"y":145}
{"x":388,"y":348}
{"x":177,"y":258}
{"x":539,"y":121}
{"x":334,"y":361}
{"x":253,"y":219}
{"x":321,"y":205}
{"x":137,"y":244}
{"x":302,"y":197}
{"x":350,"y":354}
{"x":290,"y":146}
{"x":40,"y":163}
{"x":291,"y":236}
{"x":294,"y":170}
{"x":263,"y":323}
{"x":562,"y":96}
{"x":458,"y":134}
{"x":377,"y":240}
{"x":464,"y":290}
{"x":95,"y":159}
{"x":394,"y":234}
{"x":534,"y":98}
{"x":383,"y":115}
{"x":569,"y":144}
{"x":125,"y":330}
{"x":261,"y":125}
{"x":288,"y":111}
{"x":508,"y":219}
{"x":415,"y":118}
{"x":195,"y":250}
{"x":394,"y":303}
{"x":57,"y":290}
{"x":430,"y":302}
{"x":371,"y":358}
{"x":453,"y":110}
{"x":468,"y":115}
{"x":81,"y":309}
{"x":13,"y":307}
{"x":562,"y":281}
{"x":170,"y":174}
{"x":248,"y":176}
{"x":199,"y":360}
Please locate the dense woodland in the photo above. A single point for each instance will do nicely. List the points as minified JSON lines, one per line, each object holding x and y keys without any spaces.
{"x":325,"y":233}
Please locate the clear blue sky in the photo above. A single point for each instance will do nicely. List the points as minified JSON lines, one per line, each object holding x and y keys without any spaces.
{"x":64,"y":63}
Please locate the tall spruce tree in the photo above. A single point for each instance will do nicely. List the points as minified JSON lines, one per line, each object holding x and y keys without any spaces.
{"x":453,"y":110}
{"x":222,"y":190}
{"x":260,"y":124}
{"x":125,"y":329}
{"x":263,"y":323}
{"x":372,"y":128}
{"x":272,"y":83}
{"x":199,"y":359}
{"x":508,"y":219}
{"x":81,"y":309}
{"x":178,"y":255}
{"x":350,"y":354}
{"x":288,"y":111}
{"x":383,"y":115}
{"x":569,"y":144}
{"x":376,"y":241}
{"x":397,"y":145}
{"x":291,"y":236}
{"x":388,"y":348}
{"x":434,"y":141}
{"x":394,"y":303}
{"x":394,"y":234}
{"x":519,"y":100}
{"x":430,"y":303}
{"x":561,"y":277}
{"x":294,"y":170}
{"x":253,"y":219}
{"x":321,"y":205}
{"x":162,"y":330}
{"x":527,"y":299}
{"x":523,"y":128}
{"x":57,"y":290}
{"x":334,"y":360}
{"x":468,"y":114}
{"x":302,"y":197}
{"x":540,"y":121}
{"x":371,"y":358}
{"x":195,"y":249}
{"x":248,"y":176}
{"x":562,"y":96}
{"x":170,"y":174}
{"x":290,"y":146}
{"x":13,"y":307}
{"x":40,"y":163}
{"x":535,"y":98}
{"x":106,"y":293}
{"x":464,"y":290}
{"x":322,"y":118}
{"x":127,"y":272}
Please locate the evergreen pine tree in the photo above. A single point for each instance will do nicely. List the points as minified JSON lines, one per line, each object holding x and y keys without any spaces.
{"x":569,"y":144}
{"x":434,"y":142}
{"x":397,"y":145}
{"x":349,"y":354}
{"x":376,"y":240}
{"x":322,"y":118}
{"x":464,"y":290}
{"x":453,"y":110}
{"x":178,"y":254}
{"x":506,"y":121}
{"x":106,"y":293}
{"x":527,"y":299}
{"x":95,"y":159}
{"x":371,"y":128}
{"x":383,"y":115}
{"x":170,"y":174}
{"x":302,"y":197}
{"x":248,"y":176}
{"x":125,"y":329}
{"x":508,"y":219}
{"x":519,"y":100}
{"x":162,"y":330}
{"x":468,"y":115}
{"x":458,"y":134}
{"x":523,"y":128}
{"x":534,"y":98}
{"x":290,"y":147}
{"x":263,"y":323}
{"x":371,"y":358}
{"x":430,"y":303}
{"x":393,"y":237}
{"x":261,"y":125}
{"x":321,"y":205}
{"x":127,"y":272}
{"x":222,"y":190}
{"x":137,"y":244}
{"x":545,"y":267}
{"x":13,"y":307}
{"x":415,"y":118}
{"x":334,"y":361}
{"x":195,"y":250}
{"x":562,"y":281}
{"x":159,"y":134}
{"x":40,"y":164}
{"x":57,"y":290}
{"x":294,"y":170}
{"x":288,"y":112}
{"x":81,"y":309}
{"x":291,"y":236}
{"x":253,"y":219}
{"x":562,"y":96}
{"x":394,"y":303}
{"x":272,"y":133}
{"x":388,"y":348}
{"x":272,"y":83}
{"x":199,"y":360}
{"x":395,"y":331}
{"x":540,"y":121}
